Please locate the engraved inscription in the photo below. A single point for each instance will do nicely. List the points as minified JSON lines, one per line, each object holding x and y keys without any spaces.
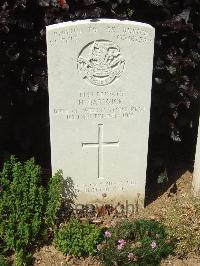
{"x":100,"y":105}
{"x":65,"y":35}
{"x":128,"y":33}
{"x":131,"y":34}
{"x":100,"y":145}
{"x":101,"y":62}
{"x":107,"y":186}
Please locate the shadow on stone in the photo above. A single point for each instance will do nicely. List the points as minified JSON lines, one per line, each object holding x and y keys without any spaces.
{"x":69,"y":196}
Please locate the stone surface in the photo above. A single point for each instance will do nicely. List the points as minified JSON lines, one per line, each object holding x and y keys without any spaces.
{"x":196,"y":174}
{"x":100,"y":74}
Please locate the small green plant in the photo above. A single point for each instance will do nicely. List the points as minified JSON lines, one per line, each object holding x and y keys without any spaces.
{"x":2,"y":261}
{"x":163,"y":177}
{"x":78,"y":239}
{"x":26,"y":207}
{"x":141,"y":242}
{"x":53,"y":199}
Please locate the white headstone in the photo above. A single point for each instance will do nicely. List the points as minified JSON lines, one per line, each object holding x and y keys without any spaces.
{"x":196,"y":174}
{"x":100,"y":74}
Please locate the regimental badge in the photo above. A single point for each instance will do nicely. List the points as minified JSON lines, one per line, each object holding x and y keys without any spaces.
{"x":101,"y":62}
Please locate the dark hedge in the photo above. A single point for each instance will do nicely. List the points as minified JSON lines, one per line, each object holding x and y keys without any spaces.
{"x":24,"y":121}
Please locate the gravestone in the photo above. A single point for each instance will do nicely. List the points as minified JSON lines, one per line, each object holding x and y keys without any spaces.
{"x":99,"y":75}
{"x":196,"y":174}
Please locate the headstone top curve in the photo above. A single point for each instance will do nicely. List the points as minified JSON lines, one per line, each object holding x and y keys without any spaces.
{"x":99,"y":21}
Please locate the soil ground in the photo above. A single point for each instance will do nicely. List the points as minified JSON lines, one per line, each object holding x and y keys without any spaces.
{"x":155,"y":209}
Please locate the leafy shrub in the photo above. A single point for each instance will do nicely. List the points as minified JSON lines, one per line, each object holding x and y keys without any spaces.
{"x":141,"y":242}
{"x":53,"y":199}
{"x":2,"y":261}
{"x":26,"y":207}
{"x":78,"y":239}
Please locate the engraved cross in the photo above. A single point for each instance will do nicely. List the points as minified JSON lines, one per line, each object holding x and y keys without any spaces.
{"x":100,"y":145}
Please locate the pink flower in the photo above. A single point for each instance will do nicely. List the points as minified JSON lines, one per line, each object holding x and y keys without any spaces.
{"x":131,"y":256}
{"x":121,"y":244}
{"x":107,"y":234}
{"x":153,"y":244}
{"x":119,"y":247}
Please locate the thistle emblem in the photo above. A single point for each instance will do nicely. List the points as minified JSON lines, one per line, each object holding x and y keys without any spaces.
{"x":101,"y":62}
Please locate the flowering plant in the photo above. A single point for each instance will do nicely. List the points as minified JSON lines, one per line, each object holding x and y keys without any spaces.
{"x":121,"y":244}
{"x":141,"y":242}
{"x":107,"y":234}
